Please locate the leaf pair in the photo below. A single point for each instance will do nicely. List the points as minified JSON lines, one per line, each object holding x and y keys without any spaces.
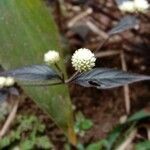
{"x":101,"y":78}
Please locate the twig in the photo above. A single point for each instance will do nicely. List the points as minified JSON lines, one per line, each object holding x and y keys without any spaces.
{"x":148,"y":132}
{"x":107,"y":53}
{"x":128,"y":141}
{"x":73,"y":21}
{"x":9,"y":119}
{"x":96,"y":30}
{"x":71,"y":78}
{"x":60,"y":71}
{"x":101,"y":44}
{"x":100,"y":32}
{"x":126,"y":87}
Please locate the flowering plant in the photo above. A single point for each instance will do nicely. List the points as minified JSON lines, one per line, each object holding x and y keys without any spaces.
{"x":84,"y":62}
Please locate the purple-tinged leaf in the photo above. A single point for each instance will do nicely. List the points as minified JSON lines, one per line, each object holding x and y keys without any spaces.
{"x":126,"y":23}
{"x":106,"y":78}
{"x":34,"y":73}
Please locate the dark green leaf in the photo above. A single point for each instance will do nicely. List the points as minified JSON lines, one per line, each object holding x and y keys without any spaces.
{"x":27,"y":144}
{"x":82,"y":123}
{"x":44,"y":143}
{"x":112,"y":137}
{"x":105,"y":78}
{"x":95,"y":146}
{"x":143,"y":145}
{"x":86,"y":124}
{"x":139,"y":116}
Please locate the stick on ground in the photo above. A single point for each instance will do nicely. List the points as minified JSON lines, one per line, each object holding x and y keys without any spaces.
{"x":10,"y":119}
{"x":126,"y":87}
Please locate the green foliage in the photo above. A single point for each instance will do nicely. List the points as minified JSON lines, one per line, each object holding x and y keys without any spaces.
{"x":139,"y":116}
{"x":82,"y":124}
{"x":30,"y":123}
{"x":120,"y":133}
{"x":38,"y":142}
{"x":116,"y":137}
{"x":28,"y":134}
{"x":96,"y":146}
{"x":27,"y":32}
{"x":112,"y":137}
{"x":143,"y":145}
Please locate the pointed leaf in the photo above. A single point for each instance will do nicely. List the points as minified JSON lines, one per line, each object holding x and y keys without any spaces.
{"x":27,"y":32}
{"x":126,"y":23}
{"x":145,"y":145}
{"x":112,"y":137}
{"x":96,"y":146}
{"x":106,"y":78}
{"x":34,"y":73}
{"x":139,"y":116}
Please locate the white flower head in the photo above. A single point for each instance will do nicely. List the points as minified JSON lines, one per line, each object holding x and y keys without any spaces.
{"x":83,"y":60}
{"x":127,"y":6}
{"x":2,"y":81}
{"x":51,"y":57}
{"x":6,"y":81}
{"x":141,"y":5}
{"x":9,"y":81}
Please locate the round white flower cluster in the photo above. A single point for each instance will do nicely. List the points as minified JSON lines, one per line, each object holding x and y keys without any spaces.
{"x":141,"y":5}
{"x":51,"y":57}
{"x":6,"y":81}
{"x":134,"y":6}
{"x":127,"y":6}
{"x":83,"y":60}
